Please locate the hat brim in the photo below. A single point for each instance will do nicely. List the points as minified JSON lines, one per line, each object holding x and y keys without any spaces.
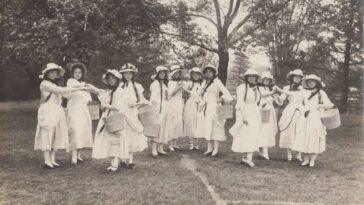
{"x":174,"y":72}
{"x":78,"y":65}
{"x":47,"y":70}
{"x":211,"y":67}
{"x":304,"y":82}
{"x":128,"y":70}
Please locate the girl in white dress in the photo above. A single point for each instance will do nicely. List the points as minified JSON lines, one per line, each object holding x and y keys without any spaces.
{"x":267,"y":136}
{"x":246,"y":129}
{"x":291,"y":112}
{"x":211,"y":127}
{"x":132,"y":99}
{"x":159,"y":99}
{"x":114,"y":145}
{"x":311,"y":132}
{"x":78,"y":118}
{"x":51,"y":133}
{"x":174,"y":108}
{"x":193,"y":88}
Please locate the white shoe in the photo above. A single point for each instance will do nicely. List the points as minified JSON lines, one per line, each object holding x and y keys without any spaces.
{"x":299,"y":158}
{"x":305,"y":163}
{"x":312,"y":163}
{"x":171,"y":148}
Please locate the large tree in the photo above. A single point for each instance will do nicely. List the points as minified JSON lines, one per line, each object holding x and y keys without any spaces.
{"x":232,"y":21}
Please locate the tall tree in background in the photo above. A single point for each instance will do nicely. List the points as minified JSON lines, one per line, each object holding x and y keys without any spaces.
{"x":232,"y":24}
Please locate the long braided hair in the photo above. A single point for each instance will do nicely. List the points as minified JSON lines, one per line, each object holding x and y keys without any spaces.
{"x":210,"y":82}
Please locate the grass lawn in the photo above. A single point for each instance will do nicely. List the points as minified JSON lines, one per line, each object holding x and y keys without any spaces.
{"x":185,"y":177}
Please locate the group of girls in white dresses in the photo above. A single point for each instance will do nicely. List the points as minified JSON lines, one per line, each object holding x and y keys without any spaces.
{"x":184,"y":107}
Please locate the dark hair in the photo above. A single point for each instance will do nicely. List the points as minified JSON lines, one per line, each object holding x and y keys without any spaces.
{"x":270,"y":85}
{"x":213,"y":70}
{"x":165,"y":80}
{"x":56,"y":81}
{"x":290,"y":78}
{"x":78,"y":67}
{"x":193,"y":80}
{"x":111,"y":86}
{"x":126,"y":83}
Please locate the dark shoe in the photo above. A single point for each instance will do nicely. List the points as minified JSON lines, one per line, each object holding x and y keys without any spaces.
{"x":207,"y":154}
{"x":80,"y":160}
{"x":73,"y":163}
{"x":130,"y":166}
{"x":46,"y":166}
{"x":164,"y":154}
{"x":215,"y":155}
{"x":123,"y":164}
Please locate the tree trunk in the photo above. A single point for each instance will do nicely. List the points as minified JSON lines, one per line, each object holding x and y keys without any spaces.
{"x":223,"y":64}
{"x":345,"y":71}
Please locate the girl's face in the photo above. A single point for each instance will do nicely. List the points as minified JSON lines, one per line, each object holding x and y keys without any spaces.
{"x":209,"y":73}
{"x":266,"y":81}
{"x":252,"y":79}
{"x":53,"y":74}
{"x":162,"y":75}
{"x":176,"y":75}
{"x":77,"y":73}
{"x":128,"y":76}
{"x":311,"y":84}
{"x":195,"y":76}
{"x":296,"y":79}
{"x":112,"y":80}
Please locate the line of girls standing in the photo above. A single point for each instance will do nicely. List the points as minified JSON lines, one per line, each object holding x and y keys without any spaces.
{"x":184,"y":107}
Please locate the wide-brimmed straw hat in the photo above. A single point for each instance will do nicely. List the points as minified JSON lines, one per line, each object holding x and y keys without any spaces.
{"x":211,"y":67}
{"x":78,"y":65}
{"x":312,"y":77}
{"x":112,"y":72}
{"x":52,"y":66}
{"x":195,"y":70}
{"x":174,"y":69}
{"x":249,"y":72}
{"x":159,"y":69}
{"x":296,"y":72}
{"x":128,"y":67}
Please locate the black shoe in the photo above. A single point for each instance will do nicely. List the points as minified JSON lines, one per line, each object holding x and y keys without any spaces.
{"x":123,"y":164}
{"x":216,"y":155}
{"x":73,"y":163}
{"x":46,"y":166}
{"x":130,"y":166}
{"x":208,"y":153}
{"x":164,"y":154}
{"x":80,"y":160}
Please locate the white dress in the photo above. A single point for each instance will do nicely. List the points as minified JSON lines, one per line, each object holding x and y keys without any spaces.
{"x":190,"y":124}
{"x":78,"y":117}
{"x":52,"y":132}
{"x":159,"y":98}
{"x":107,"y":144}
{"x":267,"y":136}
{"x":246,"y":135}
{"x":210,"y":126}
{"x":174,"y":115}
{"x":133,"y":128}
{"x":290,"y":116}
{"x":311,"y":132}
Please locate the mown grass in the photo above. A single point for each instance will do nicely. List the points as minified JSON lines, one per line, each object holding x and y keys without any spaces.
{"x":336,"y":179}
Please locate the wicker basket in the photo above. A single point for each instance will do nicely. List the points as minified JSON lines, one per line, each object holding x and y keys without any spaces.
{"x":331,"y":118}
{"x":152,"y":130}
{"x":114,"y":123}
{"x":94,"y":111}
{"x":225,"y":111}
{"x":147,"y":115}
{"x":265,"y":115}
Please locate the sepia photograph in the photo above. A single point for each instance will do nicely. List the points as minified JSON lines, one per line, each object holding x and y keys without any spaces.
{"x":199,"y":102}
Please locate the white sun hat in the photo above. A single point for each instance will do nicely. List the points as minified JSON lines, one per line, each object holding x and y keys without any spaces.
{"x":159,"y":69}
{"x":297,"y":72}
{"x":52,"y":66}
{"x":174,"y":69}
{"x":312,"y":77}
{"x":248,"y":72}
{"x":210,"y":66}
{"x":195,"y":70}
{"x":112,"y":72}
{"x":266,"y":74}
{"x":128,"y":67}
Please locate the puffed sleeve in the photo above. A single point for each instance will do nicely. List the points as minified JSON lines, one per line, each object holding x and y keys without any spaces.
{"x":73,"y":83}
{"x":226,"y":96}
{"x":154,"y":92}
{"x":53,"y":88}
{"x":325,"y":99}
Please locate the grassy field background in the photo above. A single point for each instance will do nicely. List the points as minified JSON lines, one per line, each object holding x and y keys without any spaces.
{"x":184,"y":177}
